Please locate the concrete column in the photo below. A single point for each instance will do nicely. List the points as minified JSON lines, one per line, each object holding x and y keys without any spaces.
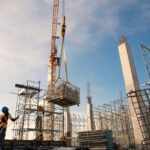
{"x":131,"y":84}
{"x":68,"y":126}
{"x":100,"y":124}
{"x":91,"y":125}
{"x":50,"y":122}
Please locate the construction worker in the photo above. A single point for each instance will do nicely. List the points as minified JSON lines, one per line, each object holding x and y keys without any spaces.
{"x":3,"y":123}
{"x":63,"y":138}
{"x":40,"y":137}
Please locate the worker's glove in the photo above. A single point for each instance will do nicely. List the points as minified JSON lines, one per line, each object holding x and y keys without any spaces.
{"x":17,"y":117}
{"x":14,"y":119}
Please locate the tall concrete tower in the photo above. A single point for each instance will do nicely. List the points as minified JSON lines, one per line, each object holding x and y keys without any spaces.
{"x":68,"y":125}
{"x":90,"y":118}
{"x":131,"y":84}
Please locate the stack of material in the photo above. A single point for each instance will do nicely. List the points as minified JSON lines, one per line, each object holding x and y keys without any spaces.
{"x":96,"y":140}
{"x":64,"y":94}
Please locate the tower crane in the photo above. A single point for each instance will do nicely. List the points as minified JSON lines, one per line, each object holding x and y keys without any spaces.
{"x":69,"y":94}
{"x":52,"y":65}
{"x":54,"y":61}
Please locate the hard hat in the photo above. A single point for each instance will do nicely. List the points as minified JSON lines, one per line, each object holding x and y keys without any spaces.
{"x":5,"y":109}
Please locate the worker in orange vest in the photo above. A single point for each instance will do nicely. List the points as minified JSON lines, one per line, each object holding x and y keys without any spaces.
{"x":3,"y":123}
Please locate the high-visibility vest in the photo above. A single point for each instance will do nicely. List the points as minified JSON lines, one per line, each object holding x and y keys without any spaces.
{"x":40,"y":137}
{"x":4,"y":119}
{"x":1,"y":120}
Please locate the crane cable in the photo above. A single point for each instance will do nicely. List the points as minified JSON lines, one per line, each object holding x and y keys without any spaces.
{"x":62,"y":46}
{"x":65,"y":65}
{"x":64,"y":26}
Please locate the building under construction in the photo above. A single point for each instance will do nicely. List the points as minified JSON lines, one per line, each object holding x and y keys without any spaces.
{"x":46,"y":121}
{"x":120,"y":120}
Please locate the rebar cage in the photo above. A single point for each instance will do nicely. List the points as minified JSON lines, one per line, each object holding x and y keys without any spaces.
{"x":141,"y":103}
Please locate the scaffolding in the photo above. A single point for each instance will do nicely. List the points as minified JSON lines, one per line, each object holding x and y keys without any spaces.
{"x":33,"y":110}
{"x":141,"y":103}
{"x":116,"y":117}
{"x":79,"y":123}
{"x":146,"y":56}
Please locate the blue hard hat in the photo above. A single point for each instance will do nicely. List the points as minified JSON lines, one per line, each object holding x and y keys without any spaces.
{"x":5,"y":109}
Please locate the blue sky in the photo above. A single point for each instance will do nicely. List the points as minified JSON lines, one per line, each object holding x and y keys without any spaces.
{"x":93,"y":28}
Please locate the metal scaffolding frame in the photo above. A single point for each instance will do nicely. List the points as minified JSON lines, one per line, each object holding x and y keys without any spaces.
{"x":141,"y":103}
{"x":32,"y":109}
{"x":79,"y":123}
{"x":116,"y":117}
{"x":146,"y":57}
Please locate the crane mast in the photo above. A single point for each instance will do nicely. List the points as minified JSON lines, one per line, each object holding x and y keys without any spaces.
{"x":52,"y":66}
{"x":52,"y":59}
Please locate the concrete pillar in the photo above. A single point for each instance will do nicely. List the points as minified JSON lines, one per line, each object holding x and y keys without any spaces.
{"x":100,"y":124}
{"x":50,"y":122}
{"x":90,"y":118}
{"x":68,"y":126}
{"x":131,"y":84}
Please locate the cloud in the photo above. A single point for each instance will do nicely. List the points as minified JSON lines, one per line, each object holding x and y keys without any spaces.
{"x":24,"y":36}
{"x":93,"y":21}
{"x":26,"y":26}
